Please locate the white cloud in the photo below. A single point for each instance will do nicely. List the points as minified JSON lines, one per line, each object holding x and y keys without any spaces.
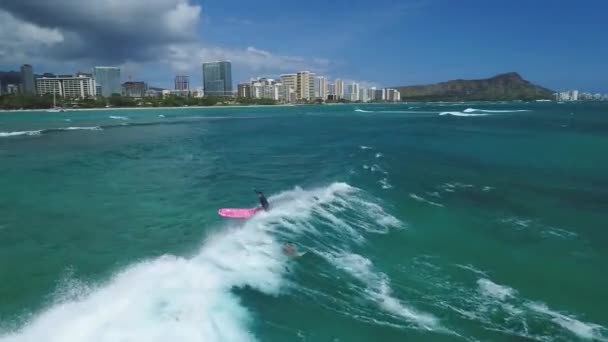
{"x":188,"y":57}
{"x":133,"y":33}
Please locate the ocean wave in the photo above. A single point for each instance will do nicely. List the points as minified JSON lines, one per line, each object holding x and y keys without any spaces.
{"x":363,"y":147}
{"x":491,"y":289}
{"x":363,"y":111}
{"x":462,"y":114}
{"x":581,"y":329}
{"x":379,"y":290}
{"x":18,"y":133}
{"x":472,"y":110}
{"x":116,"y":117}
{"x":472,"y":268}
{"x":93,"y":128}
{"x":424,"y":200}
{"x":379,"y":155}
{"x":192,"y":298}
{"x":536,"y":227}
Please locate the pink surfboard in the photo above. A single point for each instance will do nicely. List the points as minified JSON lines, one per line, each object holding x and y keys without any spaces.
{"x":241,"y":213}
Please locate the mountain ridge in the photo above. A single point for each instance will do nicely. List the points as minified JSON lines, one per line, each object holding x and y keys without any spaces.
{"x":507,"y":86}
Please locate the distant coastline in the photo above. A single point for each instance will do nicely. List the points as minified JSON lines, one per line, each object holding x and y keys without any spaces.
{"x":66,"y":110}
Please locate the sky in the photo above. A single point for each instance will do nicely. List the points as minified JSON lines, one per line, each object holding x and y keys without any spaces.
{"x":554,"y":43}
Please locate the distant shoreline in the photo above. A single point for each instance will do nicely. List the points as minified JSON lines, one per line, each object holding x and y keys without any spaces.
{"x":141,"y":108}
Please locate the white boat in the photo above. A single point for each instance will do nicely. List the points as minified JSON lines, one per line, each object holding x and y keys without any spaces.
{"x":55,"y":109}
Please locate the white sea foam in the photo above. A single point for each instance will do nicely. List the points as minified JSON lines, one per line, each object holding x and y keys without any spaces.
{"x":363,"y":147}
{"x":363,"y":111}
{"x":462,"y":114}
{"x":115,"y":117}
{"x":379,"y":290}
{"x":174,"y":298}
{"x":94,"y":128}
{"x":161,"y":116}
{"x":472,"y":268}
{"x":424,"y":200}
{"x":581,"y":329}
{"x":472,"y":110}
{"x":385,"y":184}
{"x":490,"y":289}
{"x":377,"y":168}
{"x":18,"y":133}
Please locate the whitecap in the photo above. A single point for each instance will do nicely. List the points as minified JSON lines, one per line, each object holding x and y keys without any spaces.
{"x":471,"y":110}
{"x":115,"y":117}
{"x":462,"y":114}
{"x":379,"y":290}
{"x":424,"y":200}
{"x":18,"y":133}
{"x":385,"y":184}
{"x":490,"y":289}
{"x":581,"y":329}
{"x":93,"y":128}
{"x":363,"y":147}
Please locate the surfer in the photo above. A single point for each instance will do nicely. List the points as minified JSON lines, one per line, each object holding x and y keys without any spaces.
{"x":289,"y":249}
{"x":263,"y":200}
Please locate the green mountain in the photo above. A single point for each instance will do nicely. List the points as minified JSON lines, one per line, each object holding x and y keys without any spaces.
{"x":509,"y":86}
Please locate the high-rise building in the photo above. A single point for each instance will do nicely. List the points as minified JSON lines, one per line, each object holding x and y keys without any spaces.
{"x":108,"y":78}
{"x":363,"y":95}
{"x":353,"y":92}
{"x":305,"y":85}
{"x":339,"y":89}
{"x":182,"y":83}
{"x":371,"y":94}
{"x":321,"y":88}
{"x":134,"y":89}
{"x":27,"y":79}
{"x":289,"y":82}
{"x":391,"y":95}
{"x":331,"y":89}
{"x":574,"y":95}
{"x":12,"y":89}
{"x":217,"y":78}
{"x":68,"y":87}
{"x":244,"y":90}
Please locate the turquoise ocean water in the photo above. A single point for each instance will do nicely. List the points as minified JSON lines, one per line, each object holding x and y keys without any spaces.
{"x":486,"y":223}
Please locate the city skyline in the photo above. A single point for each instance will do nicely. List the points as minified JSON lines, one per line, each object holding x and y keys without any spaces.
{"x":290,"y":88}
{"x":408,"y":42}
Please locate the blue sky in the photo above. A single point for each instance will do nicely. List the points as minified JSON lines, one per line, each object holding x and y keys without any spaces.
{"x":557,"y":44}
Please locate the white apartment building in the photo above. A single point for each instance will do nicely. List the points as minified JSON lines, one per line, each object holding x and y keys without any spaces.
{"x":68,"y":87}
{"x":339,"y":89}
{"x":321,"y":88}
{"x":289,"y":82}
{"x":305,"y":85}
{"x":353,"y":92}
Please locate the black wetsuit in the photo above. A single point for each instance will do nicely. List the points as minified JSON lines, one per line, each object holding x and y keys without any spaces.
{"x":264,"y":202}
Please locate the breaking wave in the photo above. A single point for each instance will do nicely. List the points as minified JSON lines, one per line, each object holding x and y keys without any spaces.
{"x":173,"y":298}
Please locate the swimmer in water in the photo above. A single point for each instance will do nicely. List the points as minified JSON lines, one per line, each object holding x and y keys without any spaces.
{"x":289,"y":249}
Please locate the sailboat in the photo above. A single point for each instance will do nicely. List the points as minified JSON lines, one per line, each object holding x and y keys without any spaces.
{"x":55,"y":109}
